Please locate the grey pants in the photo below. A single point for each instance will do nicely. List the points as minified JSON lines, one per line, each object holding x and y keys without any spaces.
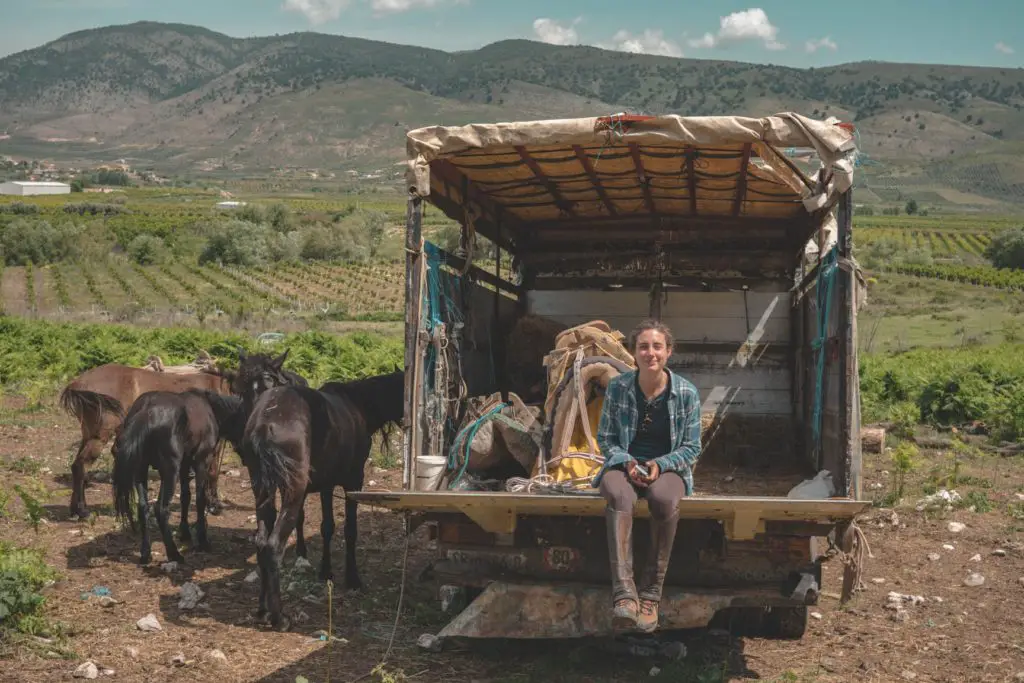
{"x":662,"y":498}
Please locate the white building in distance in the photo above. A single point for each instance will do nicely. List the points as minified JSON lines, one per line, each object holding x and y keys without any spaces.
{"x":28,"y":188}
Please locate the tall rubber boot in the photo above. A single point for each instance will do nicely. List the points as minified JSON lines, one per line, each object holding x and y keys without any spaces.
{"x":663,"y":536}
{"x":620,"y":552}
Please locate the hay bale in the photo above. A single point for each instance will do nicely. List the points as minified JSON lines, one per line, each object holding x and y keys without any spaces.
{"x":531,"y":339}
{"x":872,"y":439}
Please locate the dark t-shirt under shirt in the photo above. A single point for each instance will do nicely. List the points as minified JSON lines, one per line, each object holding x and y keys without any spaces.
{"x":653,"y":437}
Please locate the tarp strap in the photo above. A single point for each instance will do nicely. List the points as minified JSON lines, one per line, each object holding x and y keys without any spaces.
{"x":826,"y":281}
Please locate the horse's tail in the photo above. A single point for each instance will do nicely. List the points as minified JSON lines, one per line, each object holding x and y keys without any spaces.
{"x":270,"y":467}
{"x":137,"y":439}
{"x":89,"y":406}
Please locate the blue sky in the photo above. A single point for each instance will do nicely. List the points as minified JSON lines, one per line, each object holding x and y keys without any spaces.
{"x":793,"y":32}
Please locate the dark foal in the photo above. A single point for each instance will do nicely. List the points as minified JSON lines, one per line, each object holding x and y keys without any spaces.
{"x":300,"y":440}
{"x":175,"y":433}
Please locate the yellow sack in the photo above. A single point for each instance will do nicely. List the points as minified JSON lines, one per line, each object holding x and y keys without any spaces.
{"x":572,"y":452}
{"x":576,"y":463}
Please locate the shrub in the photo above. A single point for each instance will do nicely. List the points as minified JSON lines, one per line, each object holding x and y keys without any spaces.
{"x":347,"y":240}
{"x":20,"y":208}
{"x":23,"y":574}
{"x":237,"y":242}
{"x":38,"y":241}
{"x":948,"y":387}
{"x":147,"y":250}
{"x":1006,"y":250}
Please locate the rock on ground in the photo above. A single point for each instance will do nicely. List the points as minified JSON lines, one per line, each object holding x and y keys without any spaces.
{"x":149,"y":623}
{"x":87,"y":670}
{"x":189,"y":596}
{"x":974,"y":579}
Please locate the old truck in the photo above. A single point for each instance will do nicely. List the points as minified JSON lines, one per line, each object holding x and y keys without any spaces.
{"x":708,"y":224}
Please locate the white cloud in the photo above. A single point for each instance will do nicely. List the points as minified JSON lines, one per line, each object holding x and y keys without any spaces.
{"x":551,"y":32}
{"x":650,"y":42}
{"x":322,"y":11}
{"x":317,"y":11}
{"x":397,"y":6}
{"x":825,"y":43}
{"x":1004,"y":48}
{"x":750,"y":24}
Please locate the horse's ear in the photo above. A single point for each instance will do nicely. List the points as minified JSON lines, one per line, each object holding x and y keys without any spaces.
{"x":279,"y":361}
{"x":242,"y":355}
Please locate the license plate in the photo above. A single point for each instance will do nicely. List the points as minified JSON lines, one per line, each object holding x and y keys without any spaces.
{"x":561,"y":558}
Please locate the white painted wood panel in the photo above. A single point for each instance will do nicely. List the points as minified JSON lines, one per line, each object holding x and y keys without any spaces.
{"x":702,"y":317}
{"x":740,"y":379}
{"x":694,"y":330}
{"x":589,"y":303}
{"x":726,"y":305}
{"x":688,"y":361}
{"x":734,"y":400}
{"x":723,"y":330}
{"x":728,"y":382}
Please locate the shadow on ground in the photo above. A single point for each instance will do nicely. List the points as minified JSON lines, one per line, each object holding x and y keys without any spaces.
{"x":709,"y":659}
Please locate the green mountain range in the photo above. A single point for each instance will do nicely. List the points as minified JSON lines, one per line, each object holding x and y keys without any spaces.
{"x":176,"y":97}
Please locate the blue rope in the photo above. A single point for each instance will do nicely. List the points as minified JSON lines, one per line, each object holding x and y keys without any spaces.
{"x":826,"y":281}
{"x":471,"y":428}
{"x":440,"y":304}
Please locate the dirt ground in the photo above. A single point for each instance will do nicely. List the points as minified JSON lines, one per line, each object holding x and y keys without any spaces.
{"x":959,"y":633}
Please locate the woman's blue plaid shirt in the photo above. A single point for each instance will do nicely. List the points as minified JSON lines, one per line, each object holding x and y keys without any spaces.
{"x":619,"y":417}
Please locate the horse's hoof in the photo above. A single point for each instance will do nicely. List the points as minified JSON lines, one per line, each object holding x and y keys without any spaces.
{"x":261,"y":616}
{"x":176,"y":557}
{"x":326,"y":576}
{"x":205,"y":547}
{"x":282,"y":624}
{"x":353,"y":584}
{"x":215,"y":509}
{"x":145,"y":559}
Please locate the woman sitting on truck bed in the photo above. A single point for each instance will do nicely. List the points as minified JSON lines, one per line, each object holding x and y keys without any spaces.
{"x":649,"y":434}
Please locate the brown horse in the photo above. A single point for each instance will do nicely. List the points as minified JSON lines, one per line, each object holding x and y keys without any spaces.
{"x":98,"y":397}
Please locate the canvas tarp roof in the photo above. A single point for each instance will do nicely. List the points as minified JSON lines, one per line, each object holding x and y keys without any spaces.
{"x":629,"y":166}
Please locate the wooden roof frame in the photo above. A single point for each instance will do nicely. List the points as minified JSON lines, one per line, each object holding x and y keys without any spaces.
{"x":529,"y":187}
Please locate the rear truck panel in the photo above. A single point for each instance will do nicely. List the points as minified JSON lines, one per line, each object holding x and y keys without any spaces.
{"x":538,"y":564}
{"x":537,"y":611}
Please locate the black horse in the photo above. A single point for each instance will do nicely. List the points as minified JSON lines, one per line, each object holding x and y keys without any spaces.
{"x":300,"y":440}
{"x":258,"y":372}
{"x":175,"y":433}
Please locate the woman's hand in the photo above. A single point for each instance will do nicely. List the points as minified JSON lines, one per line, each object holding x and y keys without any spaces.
{"x":654,"y":470}
{"x":634,"y":474}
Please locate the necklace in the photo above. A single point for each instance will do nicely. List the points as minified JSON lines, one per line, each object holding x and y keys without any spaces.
{"x":649,"y":405}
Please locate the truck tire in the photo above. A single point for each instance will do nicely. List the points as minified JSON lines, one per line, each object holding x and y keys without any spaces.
{"x":788,"y":623}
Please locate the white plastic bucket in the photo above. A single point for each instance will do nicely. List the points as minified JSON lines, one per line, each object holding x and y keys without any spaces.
{"x":429,"y":471}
